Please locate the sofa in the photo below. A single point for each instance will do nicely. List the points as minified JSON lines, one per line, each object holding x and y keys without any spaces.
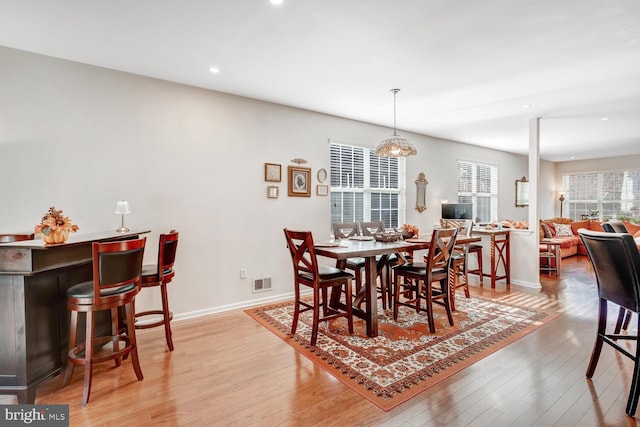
{"x":565,"y":230}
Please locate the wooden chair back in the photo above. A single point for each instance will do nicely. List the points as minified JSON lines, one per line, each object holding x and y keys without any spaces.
{"x":372,"y":227}
{"x":464,"y":226}
{"x":303,"y":254}
{"x":442,"y":242}
{"x":8,"y":238}
{"x":344,"y":230}
{"x":167,"y":247}
{"x":116,"y":265}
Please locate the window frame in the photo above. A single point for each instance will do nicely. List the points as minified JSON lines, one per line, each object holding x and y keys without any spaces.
{"x":474,"y":194}
{"x":348,"y":177}
{"x":599,"y":190}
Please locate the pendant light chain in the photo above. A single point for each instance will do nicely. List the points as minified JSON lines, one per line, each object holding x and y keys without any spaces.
{"x":395,"y":92}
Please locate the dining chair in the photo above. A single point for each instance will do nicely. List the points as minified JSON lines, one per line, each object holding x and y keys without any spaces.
{"x":472,"y":248}
{"x":16,"y":237}
{"x":117,"y":271}
{"x":624,"y":315}
{"x":384,"y":263}
{"x":344,"y":230}
{"x":418,"y":278}
{"x":614,"y":227}
{"x":307,"y":272}
{"x":459,"y":273}
{"x":160,"y":275}
{"x":616,"y":264}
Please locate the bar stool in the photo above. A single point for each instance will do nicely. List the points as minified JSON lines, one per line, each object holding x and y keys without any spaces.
{"x":153,"y":276}
{"x":117,"y":270}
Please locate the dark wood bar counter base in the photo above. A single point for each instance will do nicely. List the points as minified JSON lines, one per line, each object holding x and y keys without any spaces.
{"x":34,"y":319}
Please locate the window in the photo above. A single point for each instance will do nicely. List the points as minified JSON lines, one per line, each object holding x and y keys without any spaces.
{"x":605,"y":195}
{"x":365,"y":187}
{"x":478,"y":184}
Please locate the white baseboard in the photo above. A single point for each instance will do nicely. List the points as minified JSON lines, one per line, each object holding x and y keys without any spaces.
{"x":235,"y":306}
{"x":530,"y":285}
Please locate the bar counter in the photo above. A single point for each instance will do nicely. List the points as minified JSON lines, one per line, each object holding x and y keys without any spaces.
{"x":34,"y":319}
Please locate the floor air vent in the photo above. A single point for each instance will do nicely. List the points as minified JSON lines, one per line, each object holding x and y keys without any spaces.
{"x":262,"y":284}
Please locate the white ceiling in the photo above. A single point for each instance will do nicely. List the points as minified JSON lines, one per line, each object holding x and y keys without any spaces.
{"x":465,"y":67}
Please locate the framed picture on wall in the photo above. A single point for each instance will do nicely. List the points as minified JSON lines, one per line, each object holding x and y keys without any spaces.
{"x":273,"y":191}
{"x":322,"y":190}
{"x":299,"y":181}
{"x":272,"y":172}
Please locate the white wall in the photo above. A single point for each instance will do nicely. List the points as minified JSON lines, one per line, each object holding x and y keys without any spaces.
{"x":80,"y":137}
{"x":596,"y":165}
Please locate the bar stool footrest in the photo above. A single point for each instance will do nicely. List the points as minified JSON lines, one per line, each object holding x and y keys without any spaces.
{"x":151,"y":324}
{"x":101,"y":354}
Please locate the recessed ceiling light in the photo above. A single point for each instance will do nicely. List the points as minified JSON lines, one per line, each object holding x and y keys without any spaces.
{"x":214,"y":70}
{"x":276,"y":2}
{"x":526,"y":106}
{"x":604,"y":119}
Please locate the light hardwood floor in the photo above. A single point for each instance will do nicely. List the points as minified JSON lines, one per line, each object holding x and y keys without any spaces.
{"x":227,"y":370}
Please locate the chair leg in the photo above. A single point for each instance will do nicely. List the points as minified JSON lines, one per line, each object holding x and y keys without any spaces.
{"x":316,"y":317}
{"x":465,"y":276}
{"x":349,"y":305}
{"x":114,"y":333}
{"x":167,"y":316}
{"x":622,"y":312}
{"x":444,"y":283}
{"x":389,"y":285}
{"x":429,"y":305}
{"x":73,"y":337}
{"x":396,"y":295}
{"x":597,"y":347}
{"x":135,"y":360}
{"x":296,"y":310}
{"x":88,"y":358}
{"x":634,"y":393}
{"x":627,"y":319}
{"x":453,"y":285}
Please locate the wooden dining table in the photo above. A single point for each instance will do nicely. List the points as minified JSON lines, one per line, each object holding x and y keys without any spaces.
{"x":343,"y":249}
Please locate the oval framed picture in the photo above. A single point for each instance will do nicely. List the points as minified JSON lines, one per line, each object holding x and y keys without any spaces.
{"x":322,"y":175}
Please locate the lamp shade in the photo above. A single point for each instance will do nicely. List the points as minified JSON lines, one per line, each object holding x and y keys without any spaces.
{"x":396,"y":145}
{"x":122,"y":207}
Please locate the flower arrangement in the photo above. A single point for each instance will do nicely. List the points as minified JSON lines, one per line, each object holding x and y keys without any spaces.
{"x":410,"y":230}
{"x":55,"y":227}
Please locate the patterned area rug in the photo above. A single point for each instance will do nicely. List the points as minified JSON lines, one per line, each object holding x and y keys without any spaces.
{"x":405,"y":359}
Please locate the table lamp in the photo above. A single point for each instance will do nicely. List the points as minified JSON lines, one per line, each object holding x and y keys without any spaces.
{"x":122,"y":208}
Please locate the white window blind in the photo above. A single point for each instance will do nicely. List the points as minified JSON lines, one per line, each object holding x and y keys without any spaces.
{"x":365,"y":187}
{"x":478,"y":184}
{"x":606,"y":194}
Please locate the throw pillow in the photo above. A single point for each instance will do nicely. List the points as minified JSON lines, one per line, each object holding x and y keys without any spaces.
{"x":577,"y":225}
{"x":546,"y":230}
{"x":563,"y":230}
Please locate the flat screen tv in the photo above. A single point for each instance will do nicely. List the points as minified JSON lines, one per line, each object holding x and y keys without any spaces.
{"x":457,"y":210}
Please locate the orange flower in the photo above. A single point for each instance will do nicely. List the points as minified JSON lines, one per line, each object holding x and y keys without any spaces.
{"x":411,"y":229}
{"x":54,"y":220}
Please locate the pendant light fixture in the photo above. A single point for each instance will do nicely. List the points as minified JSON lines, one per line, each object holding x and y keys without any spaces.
{"x":396,"y":145}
